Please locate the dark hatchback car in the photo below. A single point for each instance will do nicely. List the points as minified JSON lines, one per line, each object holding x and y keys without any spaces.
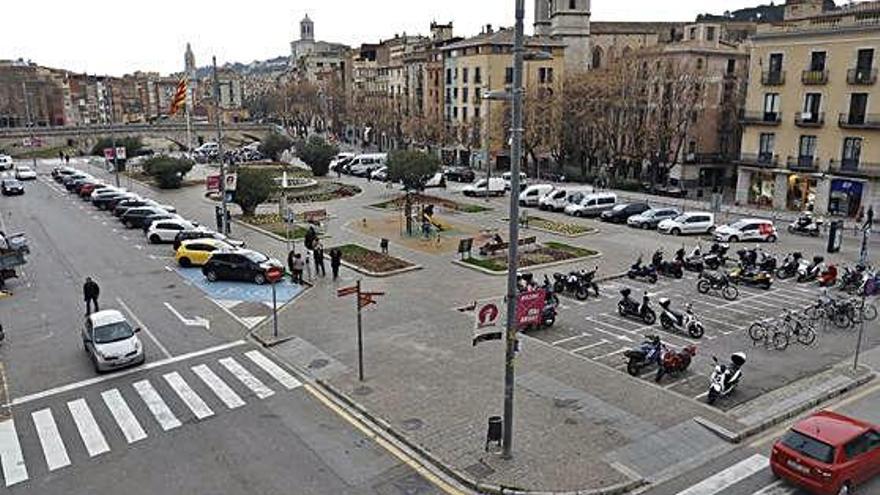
{"x":243,"y":264}
{"x":125,"y":204}
{"x":103,"y":200}
{"x":135,"y":217}
{"x":620,"y":213}
{"x":188,"y":235}
{"x":12,"y":187}
{"x":460,"y":174}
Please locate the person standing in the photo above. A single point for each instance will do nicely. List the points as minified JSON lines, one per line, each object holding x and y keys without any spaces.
{"x":91,"y":291}
{"x":335,"y":261}
{"x":291,"y":257}
{"x":296,"y":269}
{"x":319,"y":259}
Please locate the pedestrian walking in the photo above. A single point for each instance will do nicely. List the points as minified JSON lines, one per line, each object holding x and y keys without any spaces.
{"x":91,"y":291}
{"x":311,"y":237}
{"x":335,"y":261}
{"x":60,"y":156}
{"x":308,"y":261}
{"x":296,"y":268}
{"x":66,"y":159}
{"x":319,"y":259}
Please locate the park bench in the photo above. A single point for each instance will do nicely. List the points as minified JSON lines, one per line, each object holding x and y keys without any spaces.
{"x":492,"y":249}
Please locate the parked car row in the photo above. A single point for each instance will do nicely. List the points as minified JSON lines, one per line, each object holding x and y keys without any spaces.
{"x":584,"y":201}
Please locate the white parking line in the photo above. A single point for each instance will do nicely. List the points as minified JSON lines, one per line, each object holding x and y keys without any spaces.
{"x":569,"y":339}
{"x":606,"y":332}
{"x":144,"y":327}
{"x":595,"y":344}
{"x":612,"y":353}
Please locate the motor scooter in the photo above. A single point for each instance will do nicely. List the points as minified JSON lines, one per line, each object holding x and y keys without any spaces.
{"x":672,"y":269}
{"x":694,"y":261}
{"x":806,"y":225}
{"x":629,"y":308}
{"x":808,"y":272}
{"x":753,"y":276}
{"x":828,"y":277}
{"x":640,"y":271}
{"x":725,"y":378}
{"x":646,"y":354}
{"x":675,"y":361}
{"x":789,"y":267}
{"x":686,"y":322}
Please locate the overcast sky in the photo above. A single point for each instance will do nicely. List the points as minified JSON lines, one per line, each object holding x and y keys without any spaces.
{"x":120,"y":36}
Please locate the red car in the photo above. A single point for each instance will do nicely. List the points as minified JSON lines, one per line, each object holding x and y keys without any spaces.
{"x":828,"y":453}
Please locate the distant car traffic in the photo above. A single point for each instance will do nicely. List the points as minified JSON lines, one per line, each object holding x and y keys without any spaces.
{"x":243,"y":265}
{"x":747,"y":229}
{"x":828,"y":454}
{"x":111,"y":342}
{"x":11,"y":187}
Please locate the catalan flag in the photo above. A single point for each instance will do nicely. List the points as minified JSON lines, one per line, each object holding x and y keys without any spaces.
{"x":179,"y":100}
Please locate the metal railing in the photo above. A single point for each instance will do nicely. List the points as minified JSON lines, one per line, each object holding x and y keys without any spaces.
{"x":854,"y":168}
{"x":807,"y":119}
{"x":763,"y":160}
{"x":861,"y":76}
{"x":761,"y":118}
{"x":803,"y":163}
{"x":773,"y":78}
{"x":859,"y":121}
{"x":813,"y":77}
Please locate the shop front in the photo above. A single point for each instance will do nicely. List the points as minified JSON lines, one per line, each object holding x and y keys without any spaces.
{"x":762,"y":189}
{"x":801,"y":193}
{"x":845,"y":198}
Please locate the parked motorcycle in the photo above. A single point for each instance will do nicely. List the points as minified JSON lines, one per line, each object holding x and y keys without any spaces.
{"x":752,"y":276}
{"x":686,"y":322}
{"x":694,"y":261}
{"x":852,"y":278}
{"x":648,"y":353}
{"x":718,"y":282}
{"x":806,"y":225}
{"x":717,"y":256}
{"x":808,"y":272}
{"x":640,"y":271}
{"x":672,"y":269}
{"x":828,"y":277}
{"x":675,"y":361}
{"x":725,"y":378}
{"x":630,"y":308}
{"x":525,"y":282}
{"x":789,"y":266}
{"x":577,"y":283}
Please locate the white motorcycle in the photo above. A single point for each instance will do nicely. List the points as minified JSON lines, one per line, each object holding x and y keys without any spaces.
{"x":686,"y":322}
{"x":725,"y":378}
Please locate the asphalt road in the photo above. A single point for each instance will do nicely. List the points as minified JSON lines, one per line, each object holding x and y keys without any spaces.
{"x":207,"y":413}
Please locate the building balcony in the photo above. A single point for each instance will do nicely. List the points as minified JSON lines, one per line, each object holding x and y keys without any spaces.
{"x":859,"y":121}
{"x":772,"y":78}
{"x":807,"y":119}
{"x":861,"y":77}
{"x":762,"y":160}
{"x":814,"y":77}
{"x":854,"y":168}
{"x":802,"y":163}
{"x":760,"y":118}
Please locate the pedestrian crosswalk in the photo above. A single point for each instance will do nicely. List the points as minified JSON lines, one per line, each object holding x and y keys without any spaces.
{"x":131,"y":411}
{"x":749,"y":476}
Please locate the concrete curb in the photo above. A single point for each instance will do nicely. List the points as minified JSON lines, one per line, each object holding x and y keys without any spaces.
{"x":486,"y":271}
{"x":273,"y":235}
{"x":739,"y":436}
{"x":592,"y":231}
{"x":368,"y":273}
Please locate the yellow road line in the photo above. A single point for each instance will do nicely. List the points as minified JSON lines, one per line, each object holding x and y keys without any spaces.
{"x":417,"y":467}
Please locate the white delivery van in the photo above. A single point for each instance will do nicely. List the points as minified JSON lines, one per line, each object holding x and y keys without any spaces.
{"x":493,"y":186}
{"x":563,"y":196}
{"x":532,"y":194}
{"x":362,"y":165}
{"x":592,"y":205}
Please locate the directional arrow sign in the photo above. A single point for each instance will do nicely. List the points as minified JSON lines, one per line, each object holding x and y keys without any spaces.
{"x":198,"y":321}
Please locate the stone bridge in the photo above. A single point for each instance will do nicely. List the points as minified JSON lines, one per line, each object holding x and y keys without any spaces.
{"x":168,"y":134}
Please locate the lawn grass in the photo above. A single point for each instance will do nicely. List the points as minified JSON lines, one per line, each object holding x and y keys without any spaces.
{"x":397,"y":203}
{"x":577,"y":252}
{"x":549,"y":252}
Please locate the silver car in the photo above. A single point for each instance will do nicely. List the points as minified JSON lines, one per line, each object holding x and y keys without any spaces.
{"x":111,"y":342}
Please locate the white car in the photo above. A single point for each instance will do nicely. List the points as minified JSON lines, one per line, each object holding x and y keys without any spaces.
{"x":691,"y":222}
{"x":23,"y":172}
{"x":162,"y":231}
{"x":111,"y":342}
{"x":747,"y":229}
{"x":532,"y":194}
{"x":494,"y":186}
{"x":523,"y":180}
{"x":6,"y":162}
{"x":380,"y":174}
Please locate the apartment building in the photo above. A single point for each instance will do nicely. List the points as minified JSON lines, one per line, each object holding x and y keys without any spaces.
{"x":812,"y":120}
{"x":481,"y":64}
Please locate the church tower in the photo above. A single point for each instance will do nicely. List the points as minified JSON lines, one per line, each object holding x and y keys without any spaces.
{"x":542,"y":17}
{"x":307,"y":29}
{"x":570,"y":22}
{"x":189,"y":62}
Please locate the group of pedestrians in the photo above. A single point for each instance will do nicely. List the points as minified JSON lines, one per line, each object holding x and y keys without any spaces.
{"x":298,"y":264}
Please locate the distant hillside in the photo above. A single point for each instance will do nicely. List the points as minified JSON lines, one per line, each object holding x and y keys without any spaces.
{"x":277,"y":64}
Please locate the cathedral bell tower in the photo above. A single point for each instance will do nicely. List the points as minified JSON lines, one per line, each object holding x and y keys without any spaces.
{"x":570,"y":23}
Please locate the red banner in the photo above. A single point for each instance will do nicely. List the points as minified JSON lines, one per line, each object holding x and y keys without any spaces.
{"x":212,"y":182}
{"x":529,"y":307}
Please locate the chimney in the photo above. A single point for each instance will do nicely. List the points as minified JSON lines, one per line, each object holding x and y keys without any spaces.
{"x":488,"y":29}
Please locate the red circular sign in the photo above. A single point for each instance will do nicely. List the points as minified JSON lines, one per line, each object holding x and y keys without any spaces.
{"x":274,"y":274}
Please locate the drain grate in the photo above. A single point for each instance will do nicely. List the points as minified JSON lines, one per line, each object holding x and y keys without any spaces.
{"x":363,"y":390}
{"x":318,"y":364}
{"x":480,"y":470}
{"x":412,"y":424}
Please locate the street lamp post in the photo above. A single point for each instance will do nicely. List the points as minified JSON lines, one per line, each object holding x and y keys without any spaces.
{"x":224,"y":226}
{"x":27,"y":106}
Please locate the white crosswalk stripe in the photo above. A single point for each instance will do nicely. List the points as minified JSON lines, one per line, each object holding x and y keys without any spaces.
{"x":246,"y":378}
{"x":273,"y":370}
{"x":156,"y":405}
{"x":11,"y":460}
{"x":188,"y":395}
{"x":91,"y":435}
{"x":50,"y":439}
{"x":126,"y":420}
{"x":778,"y":487}
{"x":730,"y":476}
{"x":218,"y":386}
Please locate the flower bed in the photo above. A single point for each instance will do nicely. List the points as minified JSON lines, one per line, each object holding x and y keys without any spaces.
{"x":562,"y":228}
{"x":550,"y":252}
{"x":448,"y":204}
{"x":275,"y":224}
{"x":323,"y":191}
{"x":371,"y":261}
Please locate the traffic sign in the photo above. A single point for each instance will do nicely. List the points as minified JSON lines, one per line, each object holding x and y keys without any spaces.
{"x":274,"y":274}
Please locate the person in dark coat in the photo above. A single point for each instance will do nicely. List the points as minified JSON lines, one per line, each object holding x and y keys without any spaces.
{"x":311,"y":238}
{"x":335,"y":261}
{"x":91,"y":291}
{"x":319,"y":259}
{"x":290,"y":261}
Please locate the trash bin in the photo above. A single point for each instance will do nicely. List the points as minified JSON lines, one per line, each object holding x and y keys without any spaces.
{"x":493,"y":434}
{"x":835,"y":236}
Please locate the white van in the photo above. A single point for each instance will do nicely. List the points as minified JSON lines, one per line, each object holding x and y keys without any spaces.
{"x":559,"y":198}
{"x":338,"y":159}
{"x":494,"y":186}
{"x":361,"y":165}
{"x":523,"y":179}
{"x":592,"y":205}
{"x":532,"y":194}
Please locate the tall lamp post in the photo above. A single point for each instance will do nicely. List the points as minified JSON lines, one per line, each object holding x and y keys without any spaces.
{"x":27,"y":106}
{"x":513,"y":224}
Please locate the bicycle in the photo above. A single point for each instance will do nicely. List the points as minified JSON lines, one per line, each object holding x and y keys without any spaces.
{"x":799,"y":327}
{"x":768,"y":333}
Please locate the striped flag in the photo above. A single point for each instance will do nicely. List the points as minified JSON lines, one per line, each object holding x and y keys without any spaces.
{"x":179,"y":100}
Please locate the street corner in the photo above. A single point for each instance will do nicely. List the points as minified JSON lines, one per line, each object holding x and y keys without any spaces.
{"x":247,"y":303}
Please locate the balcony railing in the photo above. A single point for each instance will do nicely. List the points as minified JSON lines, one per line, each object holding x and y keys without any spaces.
{"x":761,"y":118}
{"x":859,"y":121}
{"x":705,"y":158}
{"x":763,"y":160}
{"x":861,"y":77}
{"x":812,"y":77}
{"x":807,"y":119}
{"x":772,"y":78}
{"x":854,"y":168}
{"x":803,"y":163}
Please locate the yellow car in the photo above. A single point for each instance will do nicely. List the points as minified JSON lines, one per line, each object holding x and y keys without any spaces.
{"x":196,"y":252}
